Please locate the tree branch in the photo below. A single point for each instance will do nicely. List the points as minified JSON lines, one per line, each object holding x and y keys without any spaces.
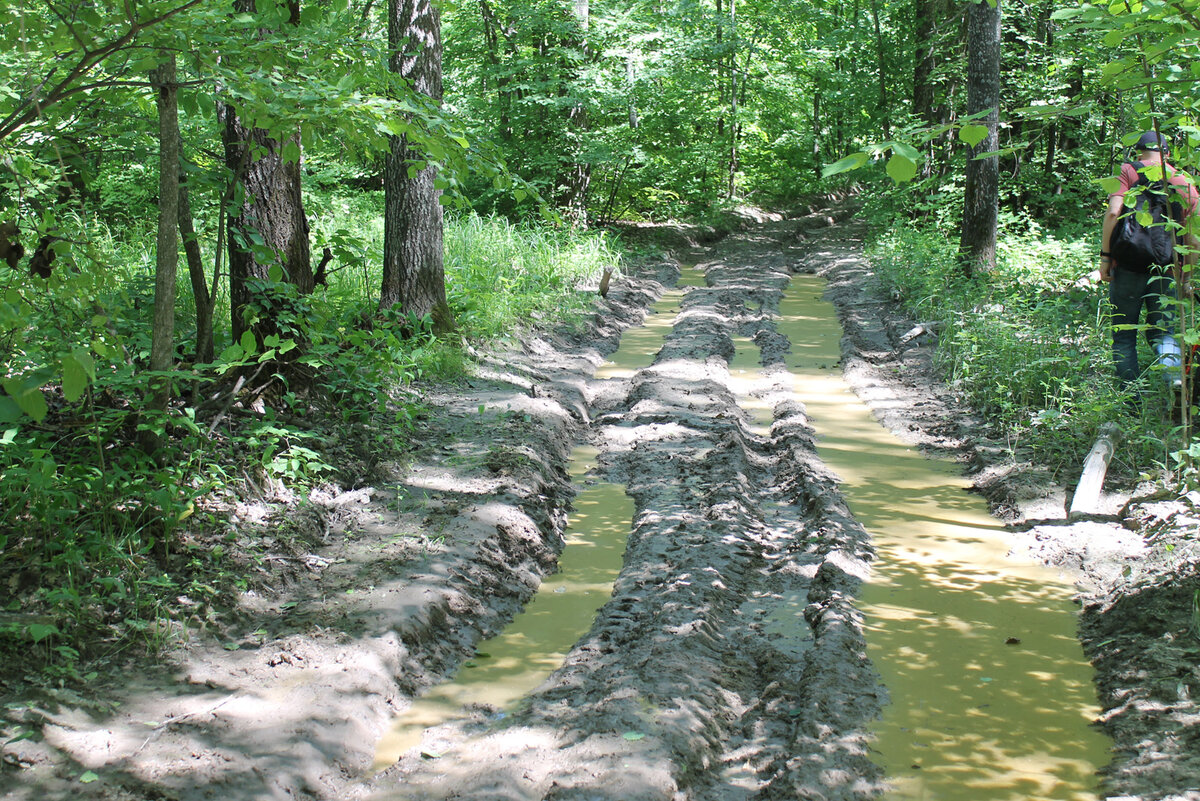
{"x":32,"y":107}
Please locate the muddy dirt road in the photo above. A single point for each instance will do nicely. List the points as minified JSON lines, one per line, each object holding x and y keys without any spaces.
{"x":684,"y":688}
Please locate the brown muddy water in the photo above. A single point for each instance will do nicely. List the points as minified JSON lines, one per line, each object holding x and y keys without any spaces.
{"x":991,"y":696}
{"x":515,"y":662}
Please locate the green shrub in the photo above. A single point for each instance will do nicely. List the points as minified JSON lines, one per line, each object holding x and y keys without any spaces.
{"x":1028,"y":345}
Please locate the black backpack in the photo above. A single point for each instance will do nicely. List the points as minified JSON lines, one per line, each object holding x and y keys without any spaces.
{"x":1145,"y":235}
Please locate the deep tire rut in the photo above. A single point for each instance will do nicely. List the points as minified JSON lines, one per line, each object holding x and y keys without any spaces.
{"x":686,"y":687}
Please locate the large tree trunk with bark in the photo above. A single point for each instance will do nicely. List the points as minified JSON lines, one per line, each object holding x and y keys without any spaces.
{"x":162,"y":341}
{"x":267,"y":226}
{"x":413,"y":269}
{"x":981,"y":206}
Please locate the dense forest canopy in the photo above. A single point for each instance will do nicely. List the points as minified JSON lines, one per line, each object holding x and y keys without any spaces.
{"x":313,"y":145}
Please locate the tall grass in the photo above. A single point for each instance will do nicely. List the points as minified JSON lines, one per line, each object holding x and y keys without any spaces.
{"x":500,"y":276}
{"x":1028,"y":345}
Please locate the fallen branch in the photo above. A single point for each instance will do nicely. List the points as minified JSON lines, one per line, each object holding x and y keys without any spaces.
{"x":916,"y":331}
{"x":1095,"y":467}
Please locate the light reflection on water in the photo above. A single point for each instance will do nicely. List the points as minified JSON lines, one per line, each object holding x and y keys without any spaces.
{"x":991,"y":697}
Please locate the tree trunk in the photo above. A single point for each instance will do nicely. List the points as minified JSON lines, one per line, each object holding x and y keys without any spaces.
{"x":930,"y":52}
{"x":162,"y":342}
{"x":200,"y":293}
{"x":881,"y":68}
{"x":267,"y":227}
{"x":491,"y":38}
{"x":413,"y":269}
{"x":816,"y":127}
{"x":977,"y":246}
{"x":577,"y":175}
{"x":929,"y":13}
{"x":731,"y":185}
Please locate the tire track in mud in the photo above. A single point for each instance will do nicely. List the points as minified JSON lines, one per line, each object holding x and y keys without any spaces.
{"x":730,"y":662}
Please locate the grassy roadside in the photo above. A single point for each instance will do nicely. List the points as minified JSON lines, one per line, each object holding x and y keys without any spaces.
{"x":1029,"y":346}
{"x":105,"y":550}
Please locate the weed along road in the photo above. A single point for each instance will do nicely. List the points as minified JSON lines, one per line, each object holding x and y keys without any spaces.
{"x":666,"y":555}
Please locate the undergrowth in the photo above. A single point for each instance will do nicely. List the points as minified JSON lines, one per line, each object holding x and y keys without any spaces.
{"x":1029,"y":345}
{"x":105,"y":548}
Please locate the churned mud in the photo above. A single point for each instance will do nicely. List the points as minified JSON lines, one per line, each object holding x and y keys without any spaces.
{"x":729,"y":662}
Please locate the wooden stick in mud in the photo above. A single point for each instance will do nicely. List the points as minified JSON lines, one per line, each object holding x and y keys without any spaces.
{"x":1087,"y":493}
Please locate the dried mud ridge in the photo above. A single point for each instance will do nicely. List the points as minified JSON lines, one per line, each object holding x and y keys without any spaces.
{"x":732,"y":530}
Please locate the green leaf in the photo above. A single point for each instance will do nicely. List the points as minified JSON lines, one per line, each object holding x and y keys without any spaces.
{"x":901,"y":169}
{"x":87,"y":777}
{"x":233,"y":353}
{"x":1114,"y":38}
{"x":633,"y":736}
{"x":10,"y":412}
{"x":1110,"y":184}
{"x":9,"y":435}
{"x":291,"y":151}
{"x":27,"y":734}
{"x":1065,"y":13}
{"x":74,"y":378}
{"x":248,"y":343}
{"x":852,"y":162}
{"x":40,"y":631}
{"x":1113,"y":68}
{"x":973,"y":134}
{"x":28,"y":398}
{"x":84,"y":357}
{"x":275,"y":274}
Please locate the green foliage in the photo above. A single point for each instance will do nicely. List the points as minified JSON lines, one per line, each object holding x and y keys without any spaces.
{"x":110,"y":546}
{"x":1028,"y":346}
{"x":500,"y":276}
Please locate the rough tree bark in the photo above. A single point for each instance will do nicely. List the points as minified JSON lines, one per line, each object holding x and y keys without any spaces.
{"x":977,"y":246}
{"x":271,"y":210}
{"x":413,"y":269}
{"x":162,"y":341}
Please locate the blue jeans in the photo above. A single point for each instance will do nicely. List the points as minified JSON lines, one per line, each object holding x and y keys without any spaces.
{"x":1129,"y":291}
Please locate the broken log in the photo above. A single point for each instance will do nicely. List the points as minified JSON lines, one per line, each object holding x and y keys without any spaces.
{"x":1095,"y":467}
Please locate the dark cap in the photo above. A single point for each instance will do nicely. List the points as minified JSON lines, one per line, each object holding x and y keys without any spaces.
{"x":1150,"y":141}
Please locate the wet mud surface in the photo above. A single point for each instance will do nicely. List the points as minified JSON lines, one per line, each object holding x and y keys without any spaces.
{"x":729,"y":662}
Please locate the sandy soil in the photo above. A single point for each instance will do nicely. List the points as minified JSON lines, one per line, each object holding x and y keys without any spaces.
{"x":680,"y":691}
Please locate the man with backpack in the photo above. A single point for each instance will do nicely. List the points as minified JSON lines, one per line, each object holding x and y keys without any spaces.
{"x":1147,"y":221}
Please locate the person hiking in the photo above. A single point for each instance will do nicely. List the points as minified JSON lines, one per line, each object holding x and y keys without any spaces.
{"x":1133,"y":283}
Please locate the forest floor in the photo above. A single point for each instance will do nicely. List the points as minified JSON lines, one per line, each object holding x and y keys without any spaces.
{"x":392,"y":586}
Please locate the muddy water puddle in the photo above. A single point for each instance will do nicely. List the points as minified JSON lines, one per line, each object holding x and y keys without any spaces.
{"x":639,"y":345}
{"x":514,"y":663}
{"x":991,"y":697}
